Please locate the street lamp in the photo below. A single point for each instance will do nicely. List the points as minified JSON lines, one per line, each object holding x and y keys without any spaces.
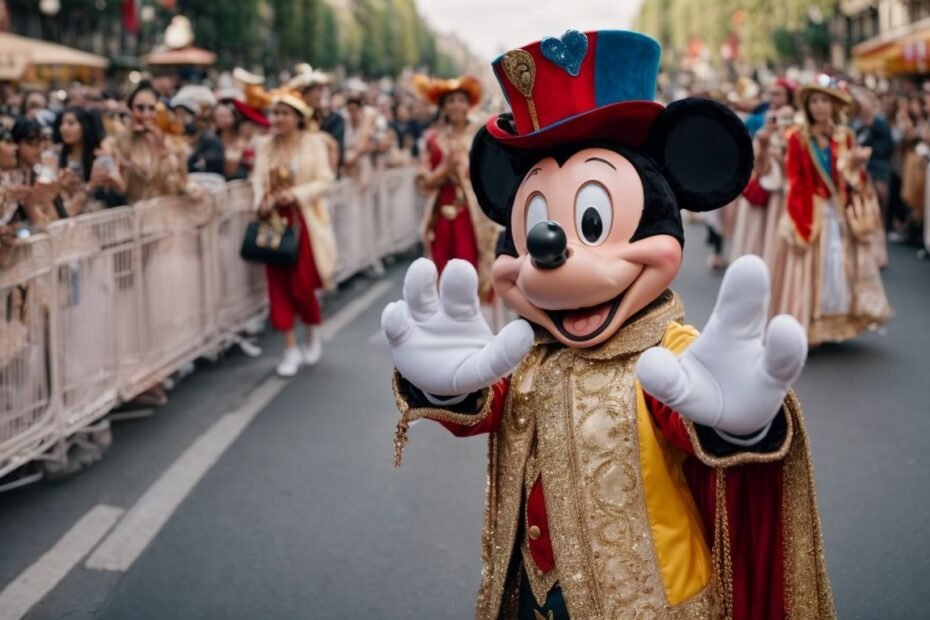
{"x":50,"y":7}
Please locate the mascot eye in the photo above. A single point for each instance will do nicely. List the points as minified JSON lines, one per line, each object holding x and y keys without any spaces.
{"x":593,"y":213}
{"x":537,"y":211}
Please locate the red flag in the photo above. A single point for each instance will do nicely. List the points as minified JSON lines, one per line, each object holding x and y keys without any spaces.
{"x":131,"y":22}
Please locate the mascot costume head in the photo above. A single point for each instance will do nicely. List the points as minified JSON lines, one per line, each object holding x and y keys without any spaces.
{"x":588,"y":175}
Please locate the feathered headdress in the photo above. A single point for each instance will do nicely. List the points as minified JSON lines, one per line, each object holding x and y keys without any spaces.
{"x":434,"y":89}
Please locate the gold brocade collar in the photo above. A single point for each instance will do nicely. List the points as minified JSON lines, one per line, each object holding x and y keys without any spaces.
{"x":645,"y":329}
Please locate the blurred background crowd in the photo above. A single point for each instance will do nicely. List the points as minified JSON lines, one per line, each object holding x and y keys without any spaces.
{"x":106,"y":103}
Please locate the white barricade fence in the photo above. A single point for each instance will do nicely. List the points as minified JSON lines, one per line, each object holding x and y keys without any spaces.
{"x":109,"y":304}
{"x":90,"y":254}
{"x":373,"y":223}
{"x":403,"y":206}
{"x":28,"y":421}
{"x":173,"y":299}
{"x":241,"y":285}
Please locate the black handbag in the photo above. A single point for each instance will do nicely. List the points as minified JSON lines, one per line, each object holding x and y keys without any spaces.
{"x":272,"y":242}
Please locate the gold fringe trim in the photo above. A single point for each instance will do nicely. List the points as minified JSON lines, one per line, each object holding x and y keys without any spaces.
{"x":723,"y":561}
{"x":409,"y":414}
{"x":741,"y":458}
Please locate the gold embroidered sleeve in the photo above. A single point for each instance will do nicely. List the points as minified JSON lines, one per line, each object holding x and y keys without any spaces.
{"x":410,"y":414}
{"x":791,"y":409}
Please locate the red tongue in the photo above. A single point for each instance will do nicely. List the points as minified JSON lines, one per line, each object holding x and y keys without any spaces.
{"x":583,"y":322}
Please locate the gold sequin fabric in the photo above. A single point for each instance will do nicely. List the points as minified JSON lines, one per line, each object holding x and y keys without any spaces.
{"x":572,"y":412}
{"x":807,"y":586}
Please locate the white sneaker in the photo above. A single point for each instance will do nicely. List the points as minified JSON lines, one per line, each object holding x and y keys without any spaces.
{"x":291,"y":363}
{"x":312,"y":350}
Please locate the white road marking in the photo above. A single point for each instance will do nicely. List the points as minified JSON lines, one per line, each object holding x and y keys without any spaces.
{"x":34,"y":583}
{"x":354,"y":308}
{"x":150,"y":513}
{"x":146,"y":518}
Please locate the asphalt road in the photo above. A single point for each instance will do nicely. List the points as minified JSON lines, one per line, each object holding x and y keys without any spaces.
{"x":299,"y":513}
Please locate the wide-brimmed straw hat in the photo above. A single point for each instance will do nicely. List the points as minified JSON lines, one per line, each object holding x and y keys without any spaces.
{"x":307,"y":77}
{"x":293,"y":99}
{"x":830,"y":88}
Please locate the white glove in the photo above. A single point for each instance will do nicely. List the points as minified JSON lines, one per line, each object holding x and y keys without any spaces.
{"x":442,"y":344}
{"x":728,"y":378}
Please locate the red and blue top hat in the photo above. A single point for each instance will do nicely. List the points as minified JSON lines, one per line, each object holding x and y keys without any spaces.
{"x":580,"y":86}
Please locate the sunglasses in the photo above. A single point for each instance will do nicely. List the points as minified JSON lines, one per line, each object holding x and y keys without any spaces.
{"x":141,"y":107}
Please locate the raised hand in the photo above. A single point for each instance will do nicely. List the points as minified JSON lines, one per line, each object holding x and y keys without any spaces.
{"x":734,"y":377}
{"x":440,"y":342}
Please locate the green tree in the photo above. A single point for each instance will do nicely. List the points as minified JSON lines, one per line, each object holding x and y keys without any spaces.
{"x":326,"y":49}
{"x":405,"y":25}
{"x":373,"y":20}
{"x":287,"y":28}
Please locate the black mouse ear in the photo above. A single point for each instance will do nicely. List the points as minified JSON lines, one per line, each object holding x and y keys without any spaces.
{"x":704,"y":151}
{"x":494,"y":176}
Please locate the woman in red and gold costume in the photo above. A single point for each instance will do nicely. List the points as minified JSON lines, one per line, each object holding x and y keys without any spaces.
{"x":453,"y":225}
{"x":824,"y":272}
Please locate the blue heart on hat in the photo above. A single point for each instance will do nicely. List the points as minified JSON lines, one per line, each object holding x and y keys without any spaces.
{"x":567,"y":52}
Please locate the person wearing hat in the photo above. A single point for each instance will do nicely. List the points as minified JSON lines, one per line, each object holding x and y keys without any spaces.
{"x":194,"y":110}
{"x":252,"y":123}
{"x":637,"y":467}
{"x":825,"y":270}
{"x":453,"y":226}
{"x":314,"y":87}
{"x":290,"y":180}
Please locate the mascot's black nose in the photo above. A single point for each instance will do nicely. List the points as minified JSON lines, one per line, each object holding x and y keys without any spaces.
{"x":547,"y":245}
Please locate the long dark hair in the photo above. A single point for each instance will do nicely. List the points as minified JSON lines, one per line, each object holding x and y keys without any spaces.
{"x":91,"y":137}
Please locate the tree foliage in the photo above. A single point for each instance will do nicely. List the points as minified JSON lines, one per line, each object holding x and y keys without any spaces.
{"x":371,"y":37}
{"x":768,"y":30}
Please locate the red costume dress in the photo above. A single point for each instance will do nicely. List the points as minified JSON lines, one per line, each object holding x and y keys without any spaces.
{"x":305,"y":172}
{"x":452,"y":234}
{"x":292,"y":290}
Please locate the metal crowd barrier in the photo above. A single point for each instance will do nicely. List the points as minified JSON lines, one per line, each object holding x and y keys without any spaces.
{"x":106,"y":305}
{"x":374,"y":222}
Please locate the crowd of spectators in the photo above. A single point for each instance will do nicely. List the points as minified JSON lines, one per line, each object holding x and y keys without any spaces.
{"x":892,"y":118}
{"x":64,"y":152}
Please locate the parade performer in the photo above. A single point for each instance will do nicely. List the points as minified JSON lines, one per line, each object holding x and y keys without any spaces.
{"x":453,"y":225}
{"x":762,"y":198}
{"x":291,"y":177}
{"x":825,"y":270}
{"x":637,"y":468}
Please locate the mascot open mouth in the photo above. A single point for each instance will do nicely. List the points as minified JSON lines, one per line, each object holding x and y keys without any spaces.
{"x":583,"y":324}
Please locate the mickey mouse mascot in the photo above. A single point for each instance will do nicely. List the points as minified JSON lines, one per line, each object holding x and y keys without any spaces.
{"x":638,"y":468}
